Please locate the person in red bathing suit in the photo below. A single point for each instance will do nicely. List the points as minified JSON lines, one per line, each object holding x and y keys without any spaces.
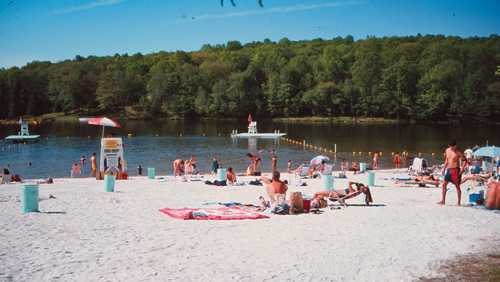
{"x":454,"y":172}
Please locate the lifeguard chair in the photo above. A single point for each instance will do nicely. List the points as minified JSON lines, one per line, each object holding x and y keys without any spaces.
{"x":252,"y":127}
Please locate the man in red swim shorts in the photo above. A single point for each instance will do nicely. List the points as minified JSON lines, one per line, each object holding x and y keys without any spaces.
{"x":454,"y":172}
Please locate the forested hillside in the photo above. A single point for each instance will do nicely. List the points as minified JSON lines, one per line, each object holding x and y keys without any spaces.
{"x":407,"y":78}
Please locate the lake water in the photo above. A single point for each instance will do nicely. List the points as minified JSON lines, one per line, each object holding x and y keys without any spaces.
{"x":158,"y":143}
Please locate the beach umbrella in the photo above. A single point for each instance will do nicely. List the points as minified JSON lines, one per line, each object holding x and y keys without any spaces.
{"x":491,"y":151}
{"x":104,"y":121}
{"x":319,"y":159}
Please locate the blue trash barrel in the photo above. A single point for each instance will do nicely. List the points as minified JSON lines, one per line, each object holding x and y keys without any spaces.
{"x":370,"y":178}
{"x":362,"y":167}
{"x":29,"y":197}
{"x":151,"y":172}
{"x":109,"y":183}
{"x":221,"y":174}
{"x":327,"y":182}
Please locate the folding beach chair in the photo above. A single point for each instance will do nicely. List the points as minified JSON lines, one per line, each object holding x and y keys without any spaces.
{"x":327,"y":170}
{"x":419,"y":165}
{"x":304,"y":171}
{"x":343,"y":196}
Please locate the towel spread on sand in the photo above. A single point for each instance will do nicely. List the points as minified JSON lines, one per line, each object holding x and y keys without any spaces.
{"x":227,"y":213}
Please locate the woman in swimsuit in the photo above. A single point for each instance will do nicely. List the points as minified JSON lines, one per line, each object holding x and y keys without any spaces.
{"x":255,"y":161}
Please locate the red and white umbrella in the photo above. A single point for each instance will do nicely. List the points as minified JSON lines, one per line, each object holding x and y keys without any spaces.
{"x":104,"y":121}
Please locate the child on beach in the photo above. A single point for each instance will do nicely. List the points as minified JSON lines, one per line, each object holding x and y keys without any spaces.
{"x":215,"y":166}
{"x":139,"y":170}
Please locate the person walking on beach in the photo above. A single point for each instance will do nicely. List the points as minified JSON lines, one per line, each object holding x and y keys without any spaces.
{"x":255,"y":161}
{"x":375,"y":160}
{"x":93,"y":162}
{"x":396,"y":160}
{"x":468,"y":155}
{"x":454,"y":172}
{"x":215,"y":166}
{"x":178,"y":164}
{"x":289,"y":169}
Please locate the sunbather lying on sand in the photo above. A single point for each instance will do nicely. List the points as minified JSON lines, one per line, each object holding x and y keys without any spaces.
{"x":424,"y":178}
{"x":338,"y":194}
{"x":476,"y":177}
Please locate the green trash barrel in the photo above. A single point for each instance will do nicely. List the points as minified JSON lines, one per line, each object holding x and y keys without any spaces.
{"x":362,"y":167}
{"x":221,"y":174}
{"x":327,"y":182}
{"x":109,"y":183}
{"x":370,"y":178}
{"x":29,"y":197}
{"x":151,"y":172}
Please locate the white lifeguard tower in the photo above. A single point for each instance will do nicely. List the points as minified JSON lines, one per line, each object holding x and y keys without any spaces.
{"x":252,"y":127}
{"x":112,"y":152}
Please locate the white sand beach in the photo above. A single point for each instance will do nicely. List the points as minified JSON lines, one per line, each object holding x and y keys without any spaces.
{"x":86,"y":234}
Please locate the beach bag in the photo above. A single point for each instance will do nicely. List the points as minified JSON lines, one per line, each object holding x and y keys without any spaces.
{"x":16,"y":177}
{"x":281,"y":208}
{"x":296,"y":203}
{"x":320,"y":202}
{"x":257,"y":173}
{"x":249,"y":171}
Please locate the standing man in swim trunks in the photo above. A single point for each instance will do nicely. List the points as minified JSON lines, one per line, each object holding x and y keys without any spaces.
{"x":93,"y":162}
{"x":454,"y":172}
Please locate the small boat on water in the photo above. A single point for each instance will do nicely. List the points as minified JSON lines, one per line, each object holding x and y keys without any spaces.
{"x":23,"y":135}
{"x":252,"y":132}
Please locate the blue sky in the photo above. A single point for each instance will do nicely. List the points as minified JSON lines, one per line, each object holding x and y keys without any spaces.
{"x":56,"y":30}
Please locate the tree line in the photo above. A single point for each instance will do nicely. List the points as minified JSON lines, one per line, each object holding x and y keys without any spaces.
{"x":420,"y":78}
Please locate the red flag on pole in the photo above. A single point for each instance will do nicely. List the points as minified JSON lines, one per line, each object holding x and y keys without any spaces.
{"x":249,"y":118}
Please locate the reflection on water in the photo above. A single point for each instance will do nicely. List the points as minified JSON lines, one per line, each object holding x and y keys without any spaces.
{"x":63,"y":143}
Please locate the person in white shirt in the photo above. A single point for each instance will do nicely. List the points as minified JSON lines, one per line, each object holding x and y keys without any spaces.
{"x":468,"y":155}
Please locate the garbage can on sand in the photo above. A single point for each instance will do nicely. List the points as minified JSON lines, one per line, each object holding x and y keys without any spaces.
{"x":370,"y":178}
{"x":29,"y":197}
{"x":221,"y":174}
{"x":327,"y":182}
{"x":151,"y":172}
{"x":362,"y":167}
{"x":109,"y":183}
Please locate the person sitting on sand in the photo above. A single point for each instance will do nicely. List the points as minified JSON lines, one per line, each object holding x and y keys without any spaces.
{"x":355,"y":167}
{"x":178,"y":165}
{"x":189,"y":167}
{"x":276,"y":188}
{"x":493,"y":199}
{"x":230,"y":176}
{"x":5,"y":176}
{"x":477,"y":177}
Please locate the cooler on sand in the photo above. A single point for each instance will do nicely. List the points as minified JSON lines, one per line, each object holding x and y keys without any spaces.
{"x":29,"y":197}
{"x":307,"y":204}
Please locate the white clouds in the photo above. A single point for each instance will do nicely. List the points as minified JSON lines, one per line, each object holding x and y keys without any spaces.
{"x":296,"y":8}
{"x":88,"y":6}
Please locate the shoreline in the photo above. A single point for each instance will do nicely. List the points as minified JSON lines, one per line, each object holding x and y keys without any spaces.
{"x":87,"y":234}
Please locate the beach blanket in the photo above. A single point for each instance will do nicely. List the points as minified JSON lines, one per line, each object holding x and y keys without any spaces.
{"x":235,"y":205}
{"x":226,"y":213}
